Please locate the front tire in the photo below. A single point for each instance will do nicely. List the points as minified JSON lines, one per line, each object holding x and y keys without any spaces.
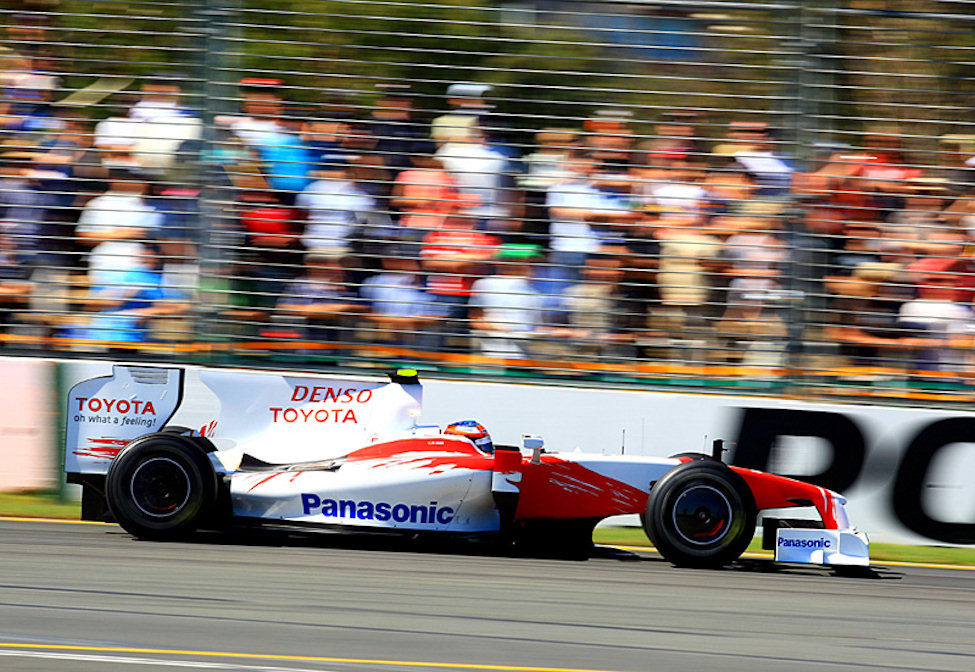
{"x":700,"y":514}
{"x":160,"y":486}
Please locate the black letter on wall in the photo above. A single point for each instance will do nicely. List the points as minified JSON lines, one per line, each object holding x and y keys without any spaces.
{"x":761,"y":426}
{"x":908,"y":488}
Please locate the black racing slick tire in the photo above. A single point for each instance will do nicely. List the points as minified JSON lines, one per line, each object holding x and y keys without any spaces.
{"x":700,"y":514}
{"x":160,"y":486}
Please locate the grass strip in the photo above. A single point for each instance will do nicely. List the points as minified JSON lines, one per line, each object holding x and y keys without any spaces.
{"x":47,"y":505}
{"x":38,"y":504}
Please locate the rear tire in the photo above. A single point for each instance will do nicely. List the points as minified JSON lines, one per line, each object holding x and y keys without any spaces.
{"x":160,"y":486}
{"x":700,"y":514}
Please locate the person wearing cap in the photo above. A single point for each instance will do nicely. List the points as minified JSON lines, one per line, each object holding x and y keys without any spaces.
{"x":506,"y":310}
{"x":609,"y":141}
{"x":262,"y":107}
{"x":467,"y":104}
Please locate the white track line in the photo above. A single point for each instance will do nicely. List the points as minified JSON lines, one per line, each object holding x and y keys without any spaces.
{"x":159,"y":662}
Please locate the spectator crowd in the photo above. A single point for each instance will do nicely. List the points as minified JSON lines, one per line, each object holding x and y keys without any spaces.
{"x":339,"y":227}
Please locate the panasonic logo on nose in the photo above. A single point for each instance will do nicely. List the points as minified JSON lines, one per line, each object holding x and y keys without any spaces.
{"x":382,"y":511}
{"x":804,"y":543}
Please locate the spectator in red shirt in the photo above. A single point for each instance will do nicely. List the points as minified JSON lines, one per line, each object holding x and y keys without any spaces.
{"x":425,"y":195}
{"x":454,"y":257}
{"x":272,"y":253}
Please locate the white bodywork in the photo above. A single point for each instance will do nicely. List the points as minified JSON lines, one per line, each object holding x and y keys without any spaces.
{"x":822,"y":547}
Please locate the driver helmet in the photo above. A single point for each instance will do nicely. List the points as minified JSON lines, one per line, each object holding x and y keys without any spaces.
{"x":474,"y":431}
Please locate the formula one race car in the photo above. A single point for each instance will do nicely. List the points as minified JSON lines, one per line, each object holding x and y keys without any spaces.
{"x":274,"y":449}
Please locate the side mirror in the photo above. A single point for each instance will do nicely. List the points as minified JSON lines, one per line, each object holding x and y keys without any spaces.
{"x":533,"y":443}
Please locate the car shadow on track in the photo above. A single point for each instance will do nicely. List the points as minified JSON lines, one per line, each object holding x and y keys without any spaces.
{"x":431,"y":543}
{"x":494,"y":547}
{"x":768,"y":566}
{"x":761,"y":566}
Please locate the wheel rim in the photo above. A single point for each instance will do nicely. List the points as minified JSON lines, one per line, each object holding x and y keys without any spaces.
{"x":160,"y":487}
{"x":702,"y":515}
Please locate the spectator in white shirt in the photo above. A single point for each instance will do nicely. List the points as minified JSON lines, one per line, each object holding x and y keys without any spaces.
{"x":160,"y":100}
{"x":335,"y":207}
{"x":480,"y":173}
{"x":579,"y":213}
{"x":936,"y":316}
{"x":506,"y":309}
{"x":115,"y":226}
{"x":757,"y":153}
{"x":162,"y":124}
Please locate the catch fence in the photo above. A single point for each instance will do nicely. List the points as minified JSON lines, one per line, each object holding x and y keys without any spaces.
{"x":771,"y":197}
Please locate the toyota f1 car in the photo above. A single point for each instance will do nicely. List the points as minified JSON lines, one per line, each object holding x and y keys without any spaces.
{"x":274,"y":449}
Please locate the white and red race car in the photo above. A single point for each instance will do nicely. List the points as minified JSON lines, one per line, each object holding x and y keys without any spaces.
{"x":277,"y":449}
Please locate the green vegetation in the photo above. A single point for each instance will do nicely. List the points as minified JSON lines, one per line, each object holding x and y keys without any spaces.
{"x":47,"y":505}
{"x":38,"y":504}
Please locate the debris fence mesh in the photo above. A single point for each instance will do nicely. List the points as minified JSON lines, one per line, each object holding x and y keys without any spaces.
{"x":772,"y":197}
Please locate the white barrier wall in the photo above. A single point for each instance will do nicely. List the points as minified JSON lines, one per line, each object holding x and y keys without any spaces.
{"x":909,"y":474}
{"x":28,"y":425}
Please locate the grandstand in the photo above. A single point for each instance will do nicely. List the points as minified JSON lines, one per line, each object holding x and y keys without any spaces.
{"x":765,"y":197}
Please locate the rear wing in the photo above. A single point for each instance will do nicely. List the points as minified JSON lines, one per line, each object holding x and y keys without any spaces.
{"x":105,"y":413}
{"x":273,"y":417}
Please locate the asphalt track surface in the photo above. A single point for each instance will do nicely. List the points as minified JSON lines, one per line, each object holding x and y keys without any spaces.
{"x":90,"y":597}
